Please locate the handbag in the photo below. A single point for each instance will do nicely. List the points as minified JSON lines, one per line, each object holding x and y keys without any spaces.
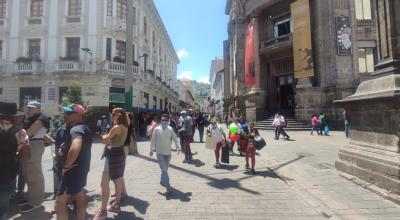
{"x":259,"y":142}
{"x":225,"y":154}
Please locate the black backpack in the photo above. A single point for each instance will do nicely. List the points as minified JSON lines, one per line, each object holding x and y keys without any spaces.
{"x":8,"y":156}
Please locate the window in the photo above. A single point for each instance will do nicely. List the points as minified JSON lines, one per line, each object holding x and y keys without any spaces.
{"x":145,"y":27}
{"x":366,"y":60}
{"x":73,"y":47}
{"x":108,"y":49}
{"x":134,"y":15}
{"x":1,"y":91}
{"x":145,"y":63}
{"x":3,"y":8}
{"x":34,"y":48}
{"x":74,"y":7}
{"x":110,"y":8}
{"x":154,"y":102}
{"x":121,"y":9}
{"x":161,"y":104}
{"x":146,"y":100}
{"x":36,"y":8}
{"x":154,"y":39}
{"x":133,"y":52}
{"x":363,"y":9}
{"x":121,"y":49}
{"x":282,"y":26}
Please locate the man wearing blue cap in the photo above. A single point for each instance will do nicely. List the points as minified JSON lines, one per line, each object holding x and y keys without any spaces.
{"x":76,"y":156}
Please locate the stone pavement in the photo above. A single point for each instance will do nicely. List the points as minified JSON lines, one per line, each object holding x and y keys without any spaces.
{"x":295,"y":180}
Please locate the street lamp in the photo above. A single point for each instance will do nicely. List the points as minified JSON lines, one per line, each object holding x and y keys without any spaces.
{"x":88,"y":51}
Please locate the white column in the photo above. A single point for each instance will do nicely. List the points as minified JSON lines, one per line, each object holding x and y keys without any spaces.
{"x":52,"y":52}
{"x":14,"y":24}
{"x":92,"y":26}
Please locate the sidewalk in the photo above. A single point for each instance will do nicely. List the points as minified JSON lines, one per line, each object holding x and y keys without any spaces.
{"x":295,"y":180}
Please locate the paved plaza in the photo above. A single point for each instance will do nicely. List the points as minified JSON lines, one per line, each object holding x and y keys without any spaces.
{"x":295,"y":180}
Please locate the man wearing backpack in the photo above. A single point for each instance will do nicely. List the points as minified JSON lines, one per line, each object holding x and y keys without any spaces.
{"x":185,"y":123}
{"x":8,"y":154}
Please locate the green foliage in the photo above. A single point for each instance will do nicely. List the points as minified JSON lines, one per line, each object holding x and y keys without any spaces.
{"x":73,"y":96}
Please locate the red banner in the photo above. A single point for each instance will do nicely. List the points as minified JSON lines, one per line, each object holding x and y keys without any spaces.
{"x":249,"y":66}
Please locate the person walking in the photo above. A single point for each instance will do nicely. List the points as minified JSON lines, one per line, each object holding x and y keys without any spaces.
{"x":161,"y":142}
{"x":200,"y":122}
{"x":76,"y":154}
{"x":114,"y":165}
{"x":251,"y":149}
{"x":322,"y":123}
{"x":9,"y":154}
{"x":103,"y":124}
{"x":130,"y":142}
{"x":186,"y":134}
{"x":282,"y":125}
{"x":346,"y":125}
{"x":36,"y":126}
{"x":277,"y":124}
{"x":214,"y":130}
{"x":314,"y":124}
{"x":194,"y":125}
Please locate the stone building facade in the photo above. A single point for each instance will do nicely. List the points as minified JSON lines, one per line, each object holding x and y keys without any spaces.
{"x":342,"y":54}
{"x":47,"y":45}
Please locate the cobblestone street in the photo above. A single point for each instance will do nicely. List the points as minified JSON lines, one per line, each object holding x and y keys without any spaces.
{"x":295,"y":180}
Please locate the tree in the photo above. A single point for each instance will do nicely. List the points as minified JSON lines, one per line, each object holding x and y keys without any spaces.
{"x":73,"y":96}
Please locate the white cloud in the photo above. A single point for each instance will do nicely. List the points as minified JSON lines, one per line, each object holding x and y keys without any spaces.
{"x":185,"y":74}
{"x":204,"y":79}
{"x":182,"y":53}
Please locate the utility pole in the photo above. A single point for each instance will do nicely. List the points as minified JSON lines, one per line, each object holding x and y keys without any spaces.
{"x":129,"y":57}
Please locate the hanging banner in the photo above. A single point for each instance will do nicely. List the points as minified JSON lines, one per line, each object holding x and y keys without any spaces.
{"x":302,"y":48}
{"x":343,"y":28}
{"x":249,"y":66}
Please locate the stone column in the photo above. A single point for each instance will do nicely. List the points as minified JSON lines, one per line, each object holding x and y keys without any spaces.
{"x":256,"y":97}
{"x":373,"y":153}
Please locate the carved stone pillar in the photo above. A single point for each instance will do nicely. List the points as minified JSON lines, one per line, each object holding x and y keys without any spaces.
{"x":373,"y":153}
{"x":256,"y":97}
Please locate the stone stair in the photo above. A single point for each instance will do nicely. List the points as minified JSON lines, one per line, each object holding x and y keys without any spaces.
{"x":293,"y":125}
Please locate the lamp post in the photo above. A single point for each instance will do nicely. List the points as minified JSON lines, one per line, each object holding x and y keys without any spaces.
{"x":129,"y":57}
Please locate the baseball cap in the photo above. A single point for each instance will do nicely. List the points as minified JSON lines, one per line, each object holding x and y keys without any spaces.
{"x":74,"y":108}
{"x":33,"y":104}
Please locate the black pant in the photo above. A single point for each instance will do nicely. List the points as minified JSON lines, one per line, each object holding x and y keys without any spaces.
{"x":280,"y":130}
{"x":322,"y":128}
{"x":201,"y":133}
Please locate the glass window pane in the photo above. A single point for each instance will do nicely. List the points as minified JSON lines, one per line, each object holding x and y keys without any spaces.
{"x":367,"y":9}
{"x":109,"y":8}
{"x":361,"y":61}
{"x":370,"y":60}
{"x":3,"y":8}
{"x":359,"y":9}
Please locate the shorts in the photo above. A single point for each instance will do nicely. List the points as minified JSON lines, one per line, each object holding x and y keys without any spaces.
{"x":73,"y":181}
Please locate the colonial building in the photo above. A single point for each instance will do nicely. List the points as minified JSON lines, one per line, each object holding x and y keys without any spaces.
{"x":217,"y":87}
{"x":297,"y":56}
{"x":47,"y":45}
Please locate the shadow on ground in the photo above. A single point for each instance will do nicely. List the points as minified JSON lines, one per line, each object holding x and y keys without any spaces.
{"x":138,"y":204}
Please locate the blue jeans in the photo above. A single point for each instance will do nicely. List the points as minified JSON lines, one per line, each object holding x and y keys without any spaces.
{"x":315,"y":128}
{"x":347,"y":130}
{"x":5,"y":193}
{"x":163,"y":161}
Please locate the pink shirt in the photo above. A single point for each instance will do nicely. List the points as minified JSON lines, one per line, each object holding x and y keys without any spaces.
{"x":314,"y":121}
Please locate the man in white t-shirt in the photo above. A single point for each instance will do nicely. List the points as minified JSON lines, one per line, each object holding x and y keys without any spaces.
{"x":161,"y":142}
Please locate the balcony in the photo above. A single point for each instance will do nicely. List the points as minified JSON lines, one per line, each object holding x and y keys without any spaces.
{"x":68,"y":66}
{"x":114,"y":67}
{"x":281,"y":42}
{"x":33,"y":67}
{"x":366,"y":23}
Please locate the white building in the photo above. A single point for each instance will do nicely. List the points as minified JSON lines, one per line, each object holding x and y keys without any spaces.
{"x":215,"y":101}
{"x":46,"y":45}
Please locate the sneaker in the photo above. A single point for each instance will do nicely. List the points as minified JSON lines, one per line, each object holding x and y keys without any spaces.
{"x":114,"y":208}
{"x":247,"y":167}
{"x":276,"y":138}
{"x":102,"y":214}
{"x":28,"y":208}
{"x":252,"y":171}
{"x":168,"y":192}
{"x":217,"y":164}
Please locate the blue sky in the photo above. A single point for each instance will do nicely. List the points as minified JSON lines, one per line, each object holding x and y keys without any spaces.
{"x":197,"y":29}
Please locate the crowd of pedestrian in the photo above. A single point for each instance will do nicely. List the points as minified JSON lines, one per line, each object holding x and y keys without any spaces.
{"x":23,"y":138}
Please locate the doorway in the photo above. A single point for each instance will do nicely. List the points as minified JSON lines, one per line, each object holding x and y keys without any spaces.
{"x":285,"y":93}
